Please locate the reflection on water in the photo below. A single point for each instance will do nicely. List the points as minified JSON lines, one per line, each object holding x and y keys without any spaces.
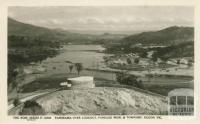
{"x":90,"y":56}
{"x":57,"y":70}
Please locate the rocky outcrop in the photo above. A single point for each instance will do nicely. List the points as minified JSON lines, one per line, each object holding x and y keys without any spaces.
{"x":102,"y":100}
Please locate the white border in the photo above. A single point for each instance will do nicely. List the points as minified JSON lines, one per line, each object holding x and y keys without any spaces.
{"x":3,"y":53}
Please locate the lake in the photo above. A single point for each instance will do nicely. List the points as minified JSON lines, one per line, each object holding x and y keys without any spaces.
{"x":92,"y":57}
{"x":89,"y":55}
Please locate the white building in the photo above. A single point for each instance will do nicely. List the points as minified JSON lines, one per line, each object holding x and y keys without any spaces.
{"x":119,"y":61}
{"x":79,"y":82}
{"x":183,"y":61}
{"x":171,"y":62}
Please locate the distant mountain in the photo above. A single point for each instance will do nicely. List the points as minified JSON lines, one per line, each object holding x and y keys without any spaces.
{"x":167,"y":36}
{"x":114,"y":32}
{"x":17,"y":28}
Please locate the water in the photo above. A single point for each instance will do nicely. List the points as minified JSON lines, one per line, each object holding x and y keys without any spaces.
{"x":90,"y":57}
{"x":85,"y":54}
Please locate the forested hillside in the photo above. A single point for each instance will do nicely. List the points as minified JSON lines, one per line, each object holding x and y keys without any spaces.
{"x":168,"y":36}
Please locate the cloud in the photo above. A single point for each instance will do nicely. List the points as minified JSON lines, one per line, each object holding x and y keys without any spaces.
{"x":109,"y":17}
{"x":56,"y":21}
{"x":11,"y":14}
{"x":94,"y":20}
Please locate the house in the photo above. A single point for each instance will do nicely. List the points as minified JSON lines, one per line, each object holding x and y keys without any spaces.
{"x":144,"y":63}
{"x":159,"y":60}
{"x":136,"y":45}
{"x":184,"y":61}
{"x":65,"y":84}
{"x":171,"y":62}
{"x":119,"y":61}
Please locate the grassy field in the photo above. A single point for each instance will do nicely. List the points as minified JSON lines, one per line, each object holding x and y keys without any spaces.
{"x":158,"y":86}
{"x":47,"y":82}
{"x":164,"y":89}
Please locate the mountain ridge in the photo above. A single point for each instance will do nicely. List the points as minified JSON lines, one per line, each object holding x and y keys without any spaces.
{"x":167,"y":36}
{"x":23,"y":29}
{"x":18,"y":28}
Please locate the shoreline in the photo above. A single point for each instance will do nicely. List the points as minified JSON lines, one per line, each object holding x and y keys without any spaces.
{"x":139,"y":73}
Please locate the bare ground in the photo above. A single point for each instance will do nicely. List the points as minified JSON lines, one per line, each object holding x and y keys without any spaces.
{"x":102,"y":101}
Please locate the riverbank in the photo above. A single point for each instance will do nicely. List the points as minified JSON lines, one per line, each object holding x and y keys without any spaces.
{"x":173,"y":72}
{"x":56,"y":69}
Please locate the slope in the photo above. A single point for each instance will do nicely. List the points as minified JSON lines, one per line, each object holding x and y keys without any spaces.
{"x":167,"y":36}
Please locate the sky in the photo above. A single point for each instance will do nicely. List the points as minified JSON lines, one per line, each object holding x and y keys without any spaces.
{"x":105,"y":18}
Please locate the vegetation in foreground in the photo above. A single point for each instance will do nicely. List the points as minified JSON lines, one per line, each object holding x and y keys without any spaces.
{"x":32,"y":108}
{"x":131,"y":80}
{"x":18,"y":56}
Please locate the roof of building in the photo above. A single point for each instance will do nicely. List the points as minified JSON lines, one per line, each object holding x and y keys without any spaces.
{"x":82,"y":78}
{"x":181,"y":92}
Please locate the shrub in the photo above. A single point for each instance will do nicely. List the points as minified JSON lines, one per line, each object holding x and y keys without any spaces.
{"x":32,"y":108}
{"x":143,"y":54}
{"x":16,"y":102}
{"x":79,"y":67}
{"x":128,"y":60}
{"x":131,"y":80}
{"x":137,"y":60}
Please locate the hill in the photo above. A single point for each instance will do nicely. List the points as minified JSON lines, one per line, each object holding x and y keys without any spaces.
{"x":16,"y":28}
{"x":171,"y":42}
{"x":168,"y":36}
{"x":175,"y":51}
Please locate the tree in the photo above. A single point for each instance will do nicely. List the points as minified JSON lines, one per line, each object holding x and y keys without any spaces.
{"x":131,"y":80}
{"x":20,"y":78}
{"x":163,"y":58}
{"x":154,"y":59}
{"x":79,"y":67}
{"x":190,"y":63}
{"x":32,"y":108}
{"x":71,"y":68}
{"x":16,"y":102}
{"x":140,"y":84}
{"x":120,"y":76}
{"x":128,"y":60}
{"x":143,"y":54}
{"x":137,"y":60}
{"x":178,"y":62}
{"x":155,"y":56}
